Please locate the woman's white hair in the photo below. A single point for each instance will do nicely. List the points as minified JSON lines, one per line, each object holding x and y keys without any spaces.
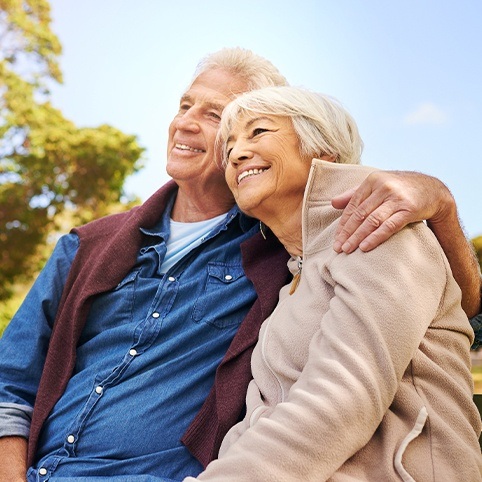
{"x":245,"y":65}
{"x":322,"y":124}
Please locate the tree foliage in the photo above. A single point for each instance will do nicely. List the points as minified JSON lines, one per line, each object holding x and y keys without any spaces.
{"x":477,"y":242}
{"x":47,"y":164}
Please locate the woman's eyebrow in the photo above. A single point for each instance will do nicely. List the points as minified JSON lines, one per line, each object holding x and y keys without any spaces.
{"x":249,"y":124}
{"x":255,"y":119}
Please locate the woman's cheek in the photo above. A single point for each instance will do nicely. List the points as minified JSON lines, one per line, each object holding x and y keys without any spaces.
{"x":230,"y":175}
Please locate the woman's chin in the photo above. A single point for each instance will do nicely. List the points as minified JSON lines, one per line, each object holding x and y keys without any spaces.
{"x":256,"y":202}
{"x":247,"y":206}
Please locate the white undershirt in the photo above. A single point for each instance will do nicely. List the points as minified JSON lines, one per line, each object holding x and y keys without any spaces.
{"x":186,"y":236}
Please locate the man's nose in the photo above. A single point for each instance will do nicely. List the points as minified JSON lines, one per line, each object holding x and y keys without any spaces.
{"x":188,"y":121}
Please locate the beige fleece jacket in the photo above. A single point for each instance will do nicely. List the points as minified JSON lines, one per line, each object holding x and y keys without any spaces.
{"x":363,"y":374}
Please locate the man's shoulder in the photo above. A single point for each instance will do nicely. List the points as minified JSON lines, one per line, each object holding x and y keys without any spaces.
{"x":104,"y":226}
{"x":147,"y":212}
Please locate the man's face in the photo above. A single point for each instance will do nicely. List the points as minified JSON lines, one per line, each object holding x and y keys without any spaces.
{"x":191,"y":152}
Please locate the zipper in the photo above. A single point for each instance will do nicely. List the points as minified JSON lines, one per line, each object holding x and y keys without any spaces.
{"x":297,"y":276}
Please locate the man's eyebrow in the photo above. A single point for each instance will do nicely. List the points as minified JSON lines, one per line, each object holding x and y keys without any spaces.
{"x":215,"y":106}
{"x":186,"y":98}
{"x":209,"y":105}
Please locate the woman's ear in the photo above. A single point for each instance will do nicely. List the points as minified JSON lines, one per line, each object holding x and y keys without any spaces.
{"x":328,"y":158}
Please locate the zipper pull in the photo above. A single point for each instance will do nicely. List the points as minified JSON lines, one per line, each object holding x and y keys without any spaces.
{"x":297,"y":276}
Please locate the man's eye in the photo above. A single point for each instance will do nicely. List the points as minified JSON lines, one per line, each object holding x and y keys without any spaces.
{"x":215,"y":115}
{"x":259,"y":130}
{"x":184,"y":107}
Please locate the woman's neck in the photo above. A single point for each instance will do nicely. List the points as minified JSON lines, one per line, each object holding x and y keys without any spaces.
{"x":287,"y":227}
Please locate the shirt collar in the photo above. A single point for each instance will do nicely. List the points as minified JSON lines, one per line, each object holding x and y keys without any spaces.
{"x":162,"y":228}
{"x":245,"y":222}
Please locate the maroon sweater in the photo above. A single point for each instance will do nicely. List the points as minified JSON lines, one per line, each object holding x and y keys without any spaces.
{"x":107,"y":252}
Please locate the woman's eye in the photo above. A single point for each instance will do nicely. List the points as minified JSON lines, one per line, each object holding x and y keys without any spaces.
{"x":228,"y":153}
{"x":259,"y":130}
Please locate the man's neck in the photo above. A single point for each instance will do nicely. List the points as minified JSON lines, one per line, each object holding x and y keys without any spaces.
{"x":190,"y":208}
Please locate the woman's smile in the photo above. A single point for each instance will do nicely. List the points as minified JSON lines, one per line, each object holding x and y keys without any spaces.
{"x":250,"y":173}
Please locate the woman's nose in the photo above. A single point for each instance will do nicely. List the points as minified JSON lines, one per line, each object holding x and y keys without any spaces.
{"x":239,"y":153}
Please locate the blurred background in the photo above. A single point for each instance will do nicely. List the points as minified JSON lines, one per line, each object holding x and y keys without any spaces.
{"x":87,"y":91}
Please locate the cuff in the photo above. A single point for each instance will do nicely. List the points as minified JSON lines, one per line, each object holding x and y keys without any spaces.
{"x":15,"y":420}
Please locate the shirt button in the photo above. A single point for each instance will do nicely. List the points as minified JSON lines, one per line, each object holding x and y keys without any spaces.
{"x":42,"y":471}
{"x":155,"y":315}
{"x":71,"y":439}
{"x":99,"y":390}
{"x":133,"y":352}
{"x":228,"y":277}
{"x":171,"y":279}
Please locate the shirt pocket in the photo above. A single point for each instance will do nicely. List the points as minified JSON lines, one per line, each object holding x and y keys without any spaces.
{"x":223,"y":301}
{"x":112,"y":308}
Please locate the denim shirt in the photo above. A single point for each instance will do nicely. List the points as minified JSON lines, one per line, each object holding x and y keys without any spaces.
{"x":145,"y":361}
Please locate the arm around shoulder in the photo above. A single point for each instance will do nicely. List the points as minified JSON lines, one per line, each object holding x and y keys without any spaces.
{"x":461,"y":256}
{"x":389,"y":200}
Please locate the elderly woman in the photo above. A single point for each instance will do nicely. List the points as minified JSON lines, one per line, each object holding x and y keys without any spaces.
{"x":362,"y":372}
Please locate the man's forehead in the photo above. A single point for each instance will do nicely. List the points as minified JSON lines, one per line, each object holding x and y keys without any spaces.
{"x":216,"y":86}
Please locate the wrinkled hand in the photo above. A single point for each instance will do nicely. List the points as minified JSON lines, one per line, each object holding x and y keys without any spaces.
{"x":386,"y":202}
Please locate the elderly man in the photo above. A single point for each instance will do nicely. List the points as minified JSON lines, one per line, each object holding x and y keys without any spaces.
{"x":130,"y":357}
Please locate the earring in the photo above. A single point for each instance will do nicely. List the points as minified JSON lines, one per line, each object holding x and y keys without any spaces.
{"x":261,"y":226}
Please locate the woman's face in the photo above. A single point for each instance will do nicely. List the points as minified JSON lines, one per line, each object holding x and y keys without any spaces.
{"x":265,"y":170}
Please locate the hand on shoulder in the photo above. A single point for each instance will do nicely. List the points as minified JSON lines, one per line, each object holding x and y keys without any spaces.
{"x":385,"y":203}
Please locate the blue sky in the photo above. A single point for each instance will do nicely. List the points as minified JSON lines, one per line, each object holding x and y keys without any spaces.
{"x":410,"y":72}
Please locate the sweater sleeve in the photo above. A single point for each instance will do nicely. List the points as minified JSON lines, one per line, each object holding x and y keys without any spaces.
{"x":25,"y":341}
{"x":383,"y":303}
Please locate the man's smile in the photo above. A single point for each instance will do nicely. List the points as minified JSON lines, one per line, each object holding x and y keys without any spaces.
{"x":184,"y":147}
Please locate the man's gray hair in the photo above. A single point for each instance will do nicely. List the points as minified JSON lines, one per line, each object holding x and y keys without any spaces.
{"x":245,"y":65}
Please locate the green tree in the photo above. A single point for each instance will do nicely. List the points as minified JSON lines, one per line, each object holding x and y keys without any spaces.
{"x":477,"y":242}
{"x":47,"y":164}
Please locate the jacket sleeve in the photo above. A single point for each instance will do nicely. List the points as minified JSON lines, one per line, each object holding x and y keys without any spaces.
{"x":24,"y":343}
{"x":476,"y":324}
{"x":383,"y":303}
